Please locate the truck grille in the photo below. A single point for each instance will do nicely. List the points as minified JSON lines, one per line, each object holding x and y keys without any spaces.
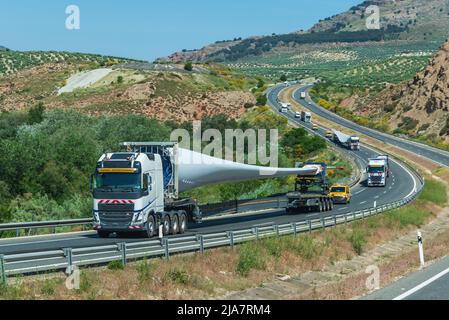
{"x":111,"y":214}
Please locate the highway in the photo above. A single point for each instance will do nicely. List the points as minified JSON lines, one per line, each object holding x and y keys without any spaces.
{"x":400,"y":185}
{"x":438,"y":156}
{"x":431,"y":283}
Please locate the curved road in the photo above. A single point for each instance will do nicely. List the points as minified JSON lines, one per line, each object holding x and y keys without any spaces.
{"x":401,"y":184}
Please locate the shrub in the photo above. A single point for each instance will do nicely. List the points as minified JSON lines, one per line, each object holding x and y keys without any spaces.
{"x":115,"y":265}
{"x":178,"y":276}
{"x":358,"y":240}
{"x":144,"y":270}
{"x":250,"y":257}
{"x":188,"y":66}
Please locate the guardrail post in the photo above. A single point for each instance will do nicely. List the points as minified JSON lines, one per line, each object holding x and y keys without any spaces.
{"x":201,"y":240}
{"x":310,"y":226}
{"x":346,"y":219}
{"x":279,"y":203}
{"x":231,"y":238}
{"x":167,"y":249}
{"x":17,"y":232}
{"x":295,"y":233}
{"x":363,"y":214}
{"x":256,"y":229}
{"x":68,"y":255}
{"x":322,"y":223}
{"x":276,"y":229}
{"x":353,"y":216}
{"x":2,"y":270}
{"x":122,"y":249}
{"x":335,"y":220}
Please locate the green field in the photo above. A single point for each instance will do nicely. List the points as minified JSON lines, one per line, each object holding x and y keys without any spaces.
{"x":362,"y":66}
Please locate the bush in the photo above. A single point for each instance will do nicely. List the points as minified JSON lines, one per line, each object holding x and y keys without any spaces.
{"x":358,"y":240}
{"x":188,"y":66}
{"x":178,"y":276}
{"x":250,"y":257}
{"x":262,"y":100}
{"x":144,"y":270}
{"x":116,"y":265}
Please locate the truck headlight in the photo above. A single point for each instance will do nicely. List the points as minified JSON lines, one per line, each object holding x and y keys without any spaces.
{"x":96,"y":217}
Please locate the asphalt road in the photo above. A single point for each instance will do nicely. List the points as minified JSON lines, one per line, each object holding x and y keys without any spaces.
{"x":431,"y":283}
{"x":401,"y":184}
{"x":438,"y":156}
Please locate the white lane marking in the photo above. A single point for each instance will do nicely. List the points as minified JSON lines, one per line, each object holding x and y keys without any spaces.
{"x":360,"y":191}
{"x":376,"y":197}
{"x":363,"y":202}
{"x":342,"y":208}
{"x":422,"y":285}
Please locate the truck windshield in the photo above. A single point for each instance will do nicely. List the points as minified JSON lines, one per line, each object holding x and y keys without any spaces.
{"x":376,"y":170}
{"x":117,"y":180}
{"x":338,"y":189}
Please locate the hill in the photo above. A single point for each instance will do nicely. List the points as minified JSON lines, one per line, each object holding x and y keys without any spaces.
{"x":411,"y":20}
{"x":164,"y":92}
{"x":13,"y":61}
{"x":419,"y":107}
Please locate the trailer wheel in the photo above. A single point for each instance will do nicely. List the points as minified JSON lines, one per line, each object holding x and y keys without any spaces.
{"x":182,"y":223}
{"x":166,"y":225}
{"x":151,"y":226}
{"x":103,"y":234}
{"x":174,"y":226}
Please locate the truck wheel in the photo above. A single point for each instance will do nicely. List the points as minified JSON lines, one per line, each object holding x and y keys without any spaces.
{"x":103,"y":234}
{"x":151,"y":227}
{"x":174,"y":226}
{"x":166,"y":225}
{"x":182,"y":223}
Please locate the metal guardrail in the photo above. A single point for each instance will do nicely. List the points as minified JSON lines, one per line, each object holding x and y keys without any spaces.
{"x":223,"y":208}
{"x":67,"y":258}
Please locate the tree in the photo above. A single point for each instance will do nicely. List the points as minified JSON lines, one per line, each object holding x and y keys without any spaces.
{"x":119,"y":79}
{"x":36,"y":113}
{"x":188,"y":66}
{"x":262,"y":100}
{"x":260,"y":83}
{"x":283,"y":78}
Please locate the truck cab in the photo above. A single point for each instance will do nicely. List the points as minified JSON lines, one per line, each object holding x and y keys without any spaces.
{"x":377,"y":172}
{"x":341,"y":193}
{"x":306,"y":117}
{"x":136,"y":192}
{"x":354,"y":143}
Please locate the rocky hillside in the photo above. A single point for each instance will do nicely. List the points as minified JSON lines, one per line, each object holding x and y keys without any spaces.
{"x":423,"y":19}
{"x":421,"y":106}
{"x":164,"y":95}
{"x":417,"y":20}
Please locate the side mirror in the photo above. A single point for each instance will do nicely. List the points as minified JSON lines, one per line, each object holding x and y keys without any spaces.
{"x":145,"y":183}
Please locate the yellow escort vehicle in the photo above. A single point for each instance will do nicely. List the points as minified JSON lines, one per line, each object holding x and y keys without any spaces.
{"x":341,"y":193}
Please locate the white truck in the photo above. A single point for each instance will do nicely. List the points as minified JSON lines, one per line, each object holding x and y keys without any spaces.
{"x":137,"y":191}
{"x":378,"y":172}
{"x":306,"y":117}
{"x":347,"y":141}
{"x":303,"y":95}
{"x":284,"y":107}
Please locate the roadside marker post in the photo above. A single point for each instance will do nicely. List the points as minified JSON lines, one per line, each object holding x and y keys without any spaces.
{"x":421,"y":249}
{"x":122,"y":249}
{"x":2,"y":270}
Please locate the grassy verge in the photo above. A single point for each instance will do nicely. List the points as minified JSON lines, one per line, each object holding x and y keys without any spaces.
{"x":224,"y":270}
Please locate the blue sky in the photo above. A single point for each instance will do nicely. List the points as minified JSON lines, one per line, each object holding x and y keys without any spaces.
{"x":150,"y":29}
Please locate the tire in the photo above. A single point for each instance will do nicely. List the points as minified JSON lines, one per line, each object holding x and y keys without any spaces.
{"x":182,"y":223}
{"x":174,"y":225}
{"x":166,"y":225}
{"x":103,"y":234}
{"x":151,"y":227}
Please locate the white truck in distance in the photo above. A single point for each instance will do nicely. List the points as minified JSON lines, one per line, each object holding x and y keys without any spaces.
{"x":303,"y":95}
{"x":284,"y":107}
{"x":378,"y":171}
{"x":347,"y":141}
{"x":306,"y":117}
